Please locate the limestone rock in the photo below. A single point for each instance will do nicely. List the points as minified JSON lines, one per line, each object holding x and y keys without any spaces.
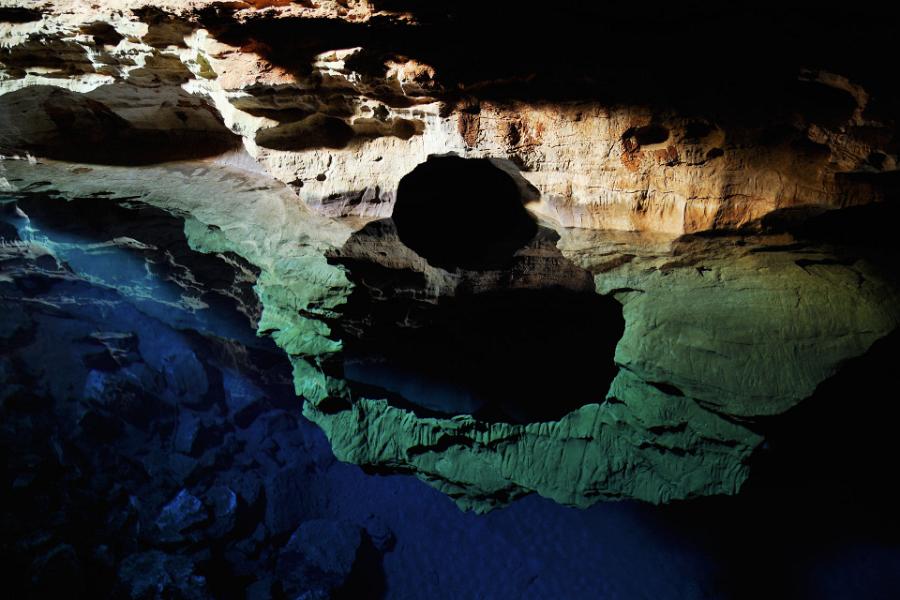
{"x":184,"y":511}
{"x":223,"y":504}
{"x":154,"y":574}
{"x":318,"y":557}
{"x":367,"y":96}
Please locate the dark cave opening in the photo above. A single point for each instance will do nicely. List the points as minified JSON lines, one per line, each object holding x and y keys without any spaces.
{"x":525,"y":344}
{"x":462,"y":213}
{"x":648,"y":135}
{"x":507,"y":356}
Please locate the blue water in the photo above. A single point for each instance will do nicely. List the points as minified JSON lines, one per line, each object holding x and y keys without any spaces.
{"x":202,"y":361}
{"x":150,"y":278}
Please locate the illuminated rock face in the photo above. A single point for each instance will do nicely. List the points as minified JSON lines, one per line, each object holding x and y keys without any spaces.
{"x":341,"y":100}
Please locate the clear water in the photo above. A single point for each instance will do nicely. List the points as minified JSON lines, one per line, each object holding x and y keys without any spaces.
{"x":824,"y":534}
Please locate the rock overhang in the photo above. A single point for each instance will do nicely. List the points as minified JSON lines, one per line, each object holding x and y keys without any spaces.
{"x":748,"y":133}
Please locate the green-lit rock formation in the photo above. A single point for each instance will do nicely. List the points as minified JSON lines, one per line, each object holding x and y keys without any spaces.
{"x":746,"y":326}
{"x":717,"y":331}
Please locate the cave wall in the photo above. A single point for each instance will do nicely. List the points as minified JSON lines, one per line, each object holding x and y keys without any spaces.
{"x":679,"y":419}
{"x":619,"y":120}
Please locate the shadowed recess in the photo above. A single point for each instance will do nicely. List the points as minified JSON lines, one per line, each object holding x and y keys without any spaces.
{"x":56,"y":123}
{"x":611,"y":51}
{"x":509,"y":356}
{"x":530,"y":342}
{"x":19,"y":14}
{"x":461,"y":213}
{"x":804,"y":478}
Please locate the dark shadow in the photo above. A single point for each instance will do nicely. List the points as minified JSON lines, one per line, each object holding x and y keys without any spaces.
{"x":838,"y":446}
{"x":462,"y":213}
{"x":315,"y":131}
{"x":367,"y":578}
{"x":18,"y":14}
{"x":531,"y":342}
{"x":822,"y":485}
{"x":745,"y":57}
{"x":102,"y":33}
{"x":866,"y":231}
{"x":872,"y":226}
{"x":60,"y":124}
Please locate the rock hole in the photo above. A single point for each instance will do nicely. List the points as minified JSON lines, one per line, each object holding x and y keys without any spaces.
{"x":877,"y":160}
{"x":17,"y":14}
{"x":647,"y":135}
{"x":462,"y":213}
{"x":315,"y":131}
{"x":697,"y":130}
{"x":103,"y":33}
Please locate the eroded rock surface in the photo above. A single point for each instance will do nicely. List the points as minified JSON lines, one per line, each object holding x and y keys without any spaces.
{"x":340,"y":100}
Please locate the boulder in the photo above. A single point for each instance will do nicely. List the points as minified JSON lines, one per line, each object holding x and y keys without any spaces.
{"x":318,"y":557}
{"x":183,"y":512}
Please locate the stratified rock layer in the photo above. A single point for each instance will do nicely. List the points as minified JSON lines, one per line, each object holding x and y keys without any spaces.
{"x":340,"y":100}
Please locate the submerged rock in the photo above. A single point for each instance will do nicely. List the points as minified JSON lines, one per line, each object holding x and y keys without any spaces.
{"x":318,"y":558}
{"x":183,"y":512}
{"x":8,"y":232}
{"x":223,"y":504}
{"x":155,"y":574}
{"x":186,"y":433}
